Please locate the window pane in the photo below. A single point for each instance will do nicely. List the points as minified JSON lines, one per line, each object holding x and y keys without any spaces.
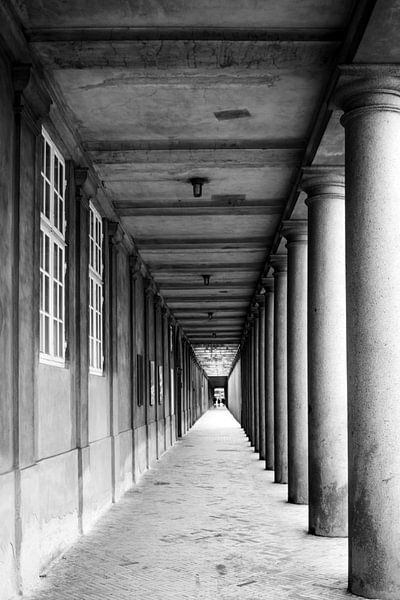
{"x":46,"y":209}
{"x":56,"y":219}
{"x":48,"y":161}
{"x":41,"y":248}
{"x":60,"y":265}
{"x":46,"y":294}
{"x":60,"y":340}
{"x":55,"y":261}
{"x":55,"y":180}
{"x":60,"y":302}
{"x":55,"y":298}
{"x":61,"y":184}
{"x":55,"y":338}
{"x":47,"y":254}
{"x":46,"y":335}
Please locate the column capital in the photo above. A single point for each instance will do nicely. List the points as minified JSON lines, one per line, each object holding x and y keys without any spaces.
{"x":260,"y":298}
{"x":322,"y":183}
{"x":295,"y":231}
{"x":366,"y":88}
{"x":278,"y":263}
{"x":254,"y":310}
{"x":268,"y":284}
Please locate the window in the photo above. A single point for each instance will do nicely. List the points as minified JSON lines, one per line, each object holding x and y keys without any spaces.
{"x":95,"y":292}
{"x":52,"y":254}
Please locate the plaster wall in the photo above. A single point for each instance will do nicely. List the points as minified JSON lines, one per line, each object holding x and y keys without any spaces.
{"x":7,"y":535}
{"x":6,"y":252}
{"x":152,"y":442}
{"x":55,"y":415}
{"x":140,"y":447}
{"x":235,"y":392}
{"x":49,"y":513}
{"x":99,"y":408}
{"x":97,"y":482}
{"x":124,"y":477}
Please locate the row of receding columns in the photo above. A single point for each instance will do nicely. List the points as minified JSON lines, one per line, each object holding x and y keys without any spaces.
{"x":322,"y":346}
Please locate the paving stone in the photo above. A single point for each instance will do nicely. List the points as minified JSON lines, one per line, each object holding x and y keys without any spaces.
{"x":207,"y":522}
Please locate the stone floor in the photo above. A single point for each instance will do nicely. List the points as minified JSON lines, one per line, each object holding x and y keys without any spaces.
{"x":206,"y":523}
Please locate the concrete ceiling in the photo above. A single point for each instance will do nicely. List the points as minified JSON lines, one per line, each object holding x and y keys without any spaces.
{"x":142,"y":83}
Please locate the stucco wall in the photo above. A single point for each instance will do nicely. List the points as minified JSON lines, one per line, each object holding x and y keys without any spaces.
{"x":235,"y":392}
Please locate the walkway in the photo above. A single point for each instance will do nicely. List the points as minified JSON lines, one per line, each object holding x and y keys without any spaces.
{"x":206,"y":523}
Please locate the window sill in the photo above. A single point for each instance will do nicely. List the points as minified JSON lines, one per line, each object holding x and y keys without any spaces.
{"x":96,"y":372}
{"x":45,"y":359}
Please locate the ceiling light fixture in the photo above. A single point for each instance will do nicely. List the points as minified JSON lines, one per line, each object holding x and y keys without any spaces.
{"x":206,"y":279}
{"x":197,"y":184}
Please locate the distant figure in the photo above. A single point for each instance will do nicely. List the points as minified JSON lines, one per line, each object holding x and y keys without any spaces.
{"x":215,"y":401}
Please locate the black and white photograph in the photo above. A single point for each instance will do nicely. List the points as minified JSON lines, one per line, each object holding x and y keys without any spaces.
{"x":199,"y":299}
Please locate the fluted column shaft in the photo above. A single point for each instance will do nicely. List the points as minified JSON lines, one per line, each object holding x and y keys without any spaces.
{"x":327,"y":371}
{"x":371,"y":103}
{"x":280,"y":369}
{"x":296,"y":235}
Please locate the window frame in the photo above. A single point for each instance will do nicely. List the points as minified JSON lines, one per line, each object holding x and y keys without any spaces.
{"x":96,"y":300}
{"x":52,"y":263}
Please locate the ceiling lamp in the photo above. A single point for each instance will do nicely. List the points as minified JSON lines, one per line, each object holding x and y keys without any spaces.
{"x":197,"y":184}
{"x":206,"y":279}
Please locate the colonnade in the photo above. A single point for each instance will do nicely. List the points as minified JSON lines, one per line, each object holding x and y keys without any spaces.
{"x":320,"y":356}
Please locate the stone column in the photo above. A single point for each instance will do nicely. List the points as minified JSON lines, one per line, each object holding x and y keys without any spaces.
{"x":261,"y":374}
{"x":371,"y":102}
{"x":327,"y":372}
{"x":279,"y":264}
{"x":296,"y":234}
{"x":251,"y":382}
{"x":268,"y":284}
{"x":256,"y":352}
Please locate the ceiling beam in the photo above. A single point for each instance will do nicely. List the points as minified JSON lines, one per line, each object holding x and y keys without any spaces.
{"x":198,"y":310}
{"x":249,"y":60}
{"x":287,"y":152}
{"x":197,"y":321}
{"x":210,"y":268}
{"x":222,"y":340}
{"x":298,"y":34}
{"x":221,"y":300}
{"x":197,"y":210}
{"x":145,"y":148}
{"x":164,"y":286}
{"x":196,"y":244}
